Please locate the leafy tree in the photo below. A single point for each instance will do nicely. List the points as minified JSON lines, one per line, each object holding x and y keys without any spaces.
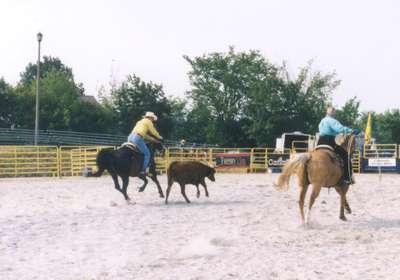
{"x":90,"y":117}
{"x":133,"y":98}
{"x":8,"y":102}
{"x":61,"y":104}
{"x":286,"y":105}
{"x":252,"y":101}
{"x":25,"y":106}
{"x":389,"y":126}
{"x":222,"y":82}
{"x":178,"y":117}
{"x":349,"y":114}
{"x":308,"y":96}
{"x":47,"y":65}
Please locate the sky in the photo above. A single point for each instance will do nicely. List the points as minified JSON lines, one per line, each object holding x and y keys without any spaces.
{"x":104,"y":41}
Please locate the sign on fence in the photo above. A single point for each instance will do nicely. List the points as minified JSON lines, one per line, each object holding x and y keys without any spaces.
{"x":381,"y":165}
{"x":382,"y":162}
{"x":232,"y":159}
{"x":277,"y":160}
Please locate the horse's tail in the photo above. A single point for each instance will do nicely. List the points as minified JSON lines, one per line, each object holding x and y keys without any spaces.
{"x":295,"y":164}
{"x":104,"y":161}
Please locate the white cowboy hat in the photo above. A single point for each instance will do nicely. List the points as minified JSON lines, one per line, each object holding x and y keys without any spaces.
{"x":150,"y":115}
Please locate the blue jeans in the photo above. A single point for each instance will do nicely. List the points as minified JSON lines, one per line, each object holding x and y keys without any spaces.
{"x":139,"y":141}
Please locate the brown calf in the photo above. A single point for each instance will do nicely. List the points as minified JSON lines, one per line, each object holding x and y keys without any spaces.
{"x":189,"y":172}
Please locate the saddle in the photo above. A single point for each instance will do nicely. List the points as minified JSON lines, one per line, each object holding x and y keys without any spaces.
{"x":135,"y":149}
{"x":131,"y":146}
{"x":327,"y":147}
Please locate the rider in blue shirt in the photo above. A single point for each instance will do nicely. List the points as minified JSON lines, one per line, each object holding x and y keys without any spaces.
{"x":329,"y":127}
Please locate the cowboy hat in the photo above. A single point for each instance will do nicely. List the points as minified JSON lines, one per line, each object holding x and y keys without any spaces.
{"x":150,"y":115}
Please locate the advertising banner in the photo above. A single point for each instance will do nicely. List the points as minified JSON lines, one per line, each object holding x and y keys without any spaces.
{"x":277,"y":160}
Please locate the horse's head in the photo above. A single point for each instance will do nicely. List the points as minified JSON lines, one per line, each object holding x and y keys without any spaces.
{"x":157,"y":147}
{"x":347,"y":141}
{"x":211,"y":173}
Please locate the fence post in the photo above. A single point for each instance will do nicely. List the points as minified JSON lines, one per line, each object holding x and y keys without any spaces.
{"x":15,"y":162}
{"x":58,"y":162}
{"x":167,"y":159}
{"x":37,"y":159}
{"x":251,"y":159}
{"x":266,"y":160}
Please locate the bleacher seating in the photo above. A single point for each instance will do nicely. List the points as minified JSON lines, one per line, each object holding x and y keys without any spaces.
{"x":9,"y":136}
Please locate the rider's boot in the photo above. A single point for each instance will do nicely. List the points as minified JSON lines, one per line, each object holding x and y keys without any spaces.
{"x":147,"y":172}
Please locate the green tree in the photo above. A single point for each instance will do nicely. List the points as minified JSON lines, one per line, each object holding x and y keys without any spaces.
{"x":178,"y":118}
{"x":8,"y":103}
{"x":47,"y":65}
{"x":57,"y":94}
{"x":349,"y":114}
{"x":133,"y":98}
{"x":221,"y":84}
{"x":285,"y":105}
{"x":62,"y":106}
{"x":389,"y":127}
{"x":252,"y":101}
{"x":91,"y":117}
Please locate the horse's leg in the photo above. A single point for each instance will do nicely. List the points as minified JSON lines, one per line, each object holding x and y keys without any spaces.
{"x":342,"y":202}
{"x":125,"y":182}
{"x":183,"y":193}
{"x":155,"y":180}
{"x":116,"y":183}
{"x":168,"y":191}
{"x":203,"y":183}
{"x":303,"y":191}
{"x":346,"y":204}
{"x":315,"y":193}
{"x":143,"y":177}
{"x":198,"y":191}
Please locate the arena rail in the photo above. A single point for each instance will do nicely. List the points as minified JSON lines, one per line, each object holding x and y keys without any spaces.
{"x":300,"y":146}
{"x":29,"y":161}
{"x":380,"y":151}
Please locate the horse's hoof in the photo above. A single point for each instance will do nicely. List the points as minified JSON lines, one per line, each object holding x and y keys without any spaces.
{"x":130,"y":202}
{"x":348,"y":211}
{"x":141,"y":189}
{"x":198,"y":195}
{"x":161,"y":195}
{"x":343,"y":219}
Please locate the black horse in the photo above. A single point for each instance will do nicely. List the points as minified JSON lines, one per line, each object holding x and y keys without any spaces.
{"x":127,"y":162}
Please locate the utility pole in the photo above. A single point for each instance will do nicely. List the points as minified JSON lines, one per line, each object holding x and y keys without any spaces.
{"x":39,"y":38}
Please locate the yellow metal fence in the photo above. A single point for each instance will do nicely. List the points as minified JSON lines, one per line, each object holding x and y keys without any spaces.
{"x":381,"y":150}
{"x":25,"y":161}
{"x":18,"y":161}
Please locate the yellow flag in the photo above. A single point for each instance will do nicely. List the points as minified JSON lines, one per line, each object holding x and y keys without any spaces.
{"x":368,"y":129}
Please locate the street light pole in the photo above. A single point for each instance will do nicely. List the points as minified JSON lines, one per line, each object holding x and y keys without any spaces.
{"x":39,"y":38}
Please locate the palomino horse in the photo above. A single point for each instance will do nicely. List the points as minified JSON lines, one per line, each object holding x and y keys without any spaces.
{"x":321,"y":168}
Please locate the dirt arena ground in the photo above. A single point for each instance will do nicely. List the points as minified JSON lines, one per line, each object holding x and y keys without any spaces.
{"x":81,"y":228}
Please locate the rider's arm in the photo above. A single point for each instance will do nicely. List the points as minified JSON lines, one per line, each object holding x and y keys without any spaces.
{"x":152,"y":139}
{"x":338,"y":127}
{"x":153,"y":131}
